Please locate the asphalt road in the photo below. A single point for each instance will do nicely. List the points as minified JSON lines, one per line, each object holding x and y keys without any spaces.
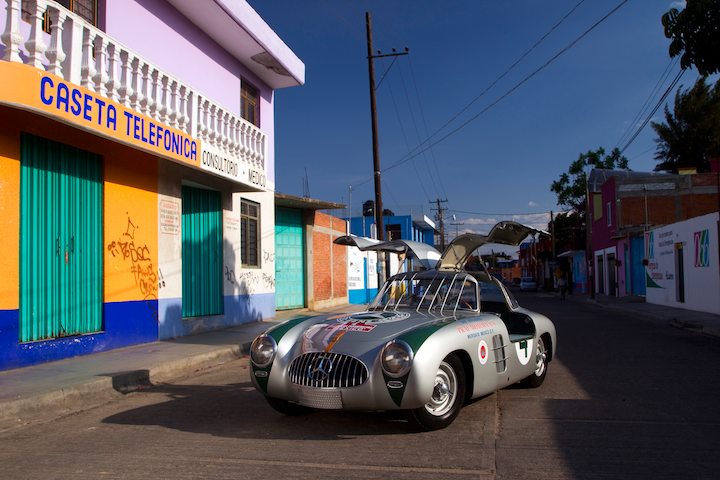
{"x":624,"y":398}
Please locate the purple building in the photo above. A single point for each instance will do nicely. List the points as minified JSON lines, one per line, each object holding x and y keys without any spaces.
{"x":137,"y":171}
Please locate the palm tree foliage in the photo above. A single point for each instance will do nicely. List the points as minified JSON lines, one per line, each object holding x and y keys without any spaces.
{"x":690,"y":134}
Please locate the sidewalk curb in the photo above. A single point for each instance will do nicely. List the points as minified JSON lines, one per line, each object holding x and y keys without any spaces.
{"x":673,"y":321}
{"x":101,"y":390}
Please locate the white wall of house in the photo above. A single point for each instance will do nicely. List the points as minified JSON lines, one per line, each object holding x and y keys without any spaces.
{"x":682,"y":268}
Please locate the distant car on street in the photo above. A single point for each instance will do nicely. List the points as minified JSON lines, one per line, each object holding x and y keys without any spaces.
{"x":528,"y":284}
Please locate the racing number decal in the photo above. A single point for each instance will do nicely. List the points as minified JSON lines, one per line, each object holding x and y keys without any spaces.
{"x":524,"y":350}
{"x":483,"y":352}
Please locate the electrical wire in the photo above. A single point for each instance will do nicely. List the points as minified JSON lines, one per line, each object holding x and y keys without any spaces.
{"x":426,"y":131}
{"x":417,"y":131}
{"x":507,"y":71}
{"x":527,"y":78}
{"x":655,"y":109}
{"x":643,"y":110}
{"x":407,"y":143}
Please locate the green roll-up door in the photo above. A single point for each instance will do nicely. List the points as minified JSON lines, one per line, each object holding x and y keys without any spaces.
{"x":202,"y":255}
{"x":289,"y":259}
{"x":61,"y":243}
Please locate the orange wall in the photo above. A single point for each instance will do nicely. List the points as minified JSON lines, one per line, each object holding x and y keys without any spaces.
{"x":9,"y":212}
{"x":130,"y":208}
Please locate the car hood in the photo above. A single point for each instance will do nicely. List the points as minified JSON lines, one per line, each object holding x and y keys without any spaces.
{"x":504,"y":233}
{"x":427,"y":255}
{"x":357,"y":333}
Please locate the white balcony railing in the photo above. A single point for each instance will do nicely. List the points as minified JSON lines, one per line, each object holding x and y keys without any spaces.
{"x":81,"y":54}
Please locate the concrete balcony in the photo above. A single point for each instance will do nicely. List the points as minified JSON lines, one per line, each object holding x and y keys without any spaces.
{"x":153,"y":106}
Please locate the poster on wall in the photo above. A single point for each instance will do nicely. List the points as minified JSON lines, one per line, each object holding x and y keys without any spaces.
{"x":661,"y":258}
{"x":356,"y":274}
{"x":372,"y":270}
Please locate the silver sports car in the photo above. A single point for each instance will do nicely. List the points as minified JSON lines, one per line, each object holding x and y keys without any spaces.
{"x":430,"y":341}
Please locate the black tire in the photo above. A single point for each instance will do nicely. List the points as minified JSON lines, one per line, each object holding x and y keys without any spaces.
{"x":288,"y":408}
{"x":447,"y":399}
{"x":541,"y":366}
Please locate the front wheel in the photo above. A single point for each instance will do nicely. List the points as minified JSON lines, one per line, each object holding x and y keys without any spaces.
{"x":541,"y":365}
{"x":446,"y":399}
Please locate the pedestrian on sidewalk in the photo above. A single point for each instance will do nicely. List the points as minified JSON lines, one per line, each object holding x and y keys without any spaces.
{"x":562,"y":284}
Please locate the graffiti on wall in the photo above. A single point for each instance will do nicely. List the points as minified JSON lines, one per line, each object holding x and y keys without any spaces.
{"x":702,"y":248}
{"x":250,"y":281}
{"x":268,"y":256}
{"x":138,"y":258}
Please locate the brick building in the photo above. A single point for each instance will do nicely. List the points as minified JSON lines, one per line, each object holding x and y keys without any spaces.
{"x":310,"y":270}
{"x":624,"y":206}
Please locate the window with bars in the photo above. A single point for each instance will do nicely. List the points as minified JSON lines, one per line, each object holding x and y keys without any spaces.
{"x":249,"y":103}
{"x":87,"y":9}
{"x":249,"y":233}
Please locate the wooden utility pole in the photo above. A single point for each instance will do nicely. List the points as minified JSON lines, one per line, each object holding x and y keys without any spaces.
{"x":376,"y":148}
{"x":373,"y":115}
{"x":440,"y":217}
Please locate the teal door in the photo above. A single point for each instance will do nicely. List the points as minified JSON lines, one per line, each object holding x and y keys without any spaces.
{"x":202,"y":253}
{"x":61,"y":242}
{"x":289,"y":259}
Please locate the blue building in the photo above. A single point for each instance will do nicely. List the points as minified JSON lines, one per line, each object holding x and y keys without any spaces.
{"x":362,"y":266}
{"x":418,"y":228}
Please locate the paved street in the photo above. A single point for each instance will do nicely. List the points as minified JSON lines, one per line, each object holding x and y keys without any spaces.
{"x":625,"y":398}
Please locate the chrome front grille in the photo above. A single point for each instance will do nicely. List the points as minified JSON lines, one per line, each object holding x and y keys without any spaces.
{"x":327,"y":370}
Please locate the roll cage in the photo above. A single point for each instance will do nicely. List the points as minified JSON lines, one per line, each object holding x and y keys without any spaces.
{"x":434,"y":291}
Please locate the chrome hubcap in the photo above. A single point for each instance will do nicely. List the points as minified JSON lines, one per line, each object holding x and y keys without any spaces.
{"x":444,"y":392}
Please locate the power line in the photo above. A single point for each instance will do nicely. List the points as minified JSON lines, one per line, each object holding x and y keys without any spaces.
{"x":508,"y":70}
{"x":417,"y":131}
{"x":572,"y":44}
{"x":427,"y":131}
{"x":407,"y":144}
{"x":655,"y":109}
{"x":643,"y":109}
{"x":506,"y":214}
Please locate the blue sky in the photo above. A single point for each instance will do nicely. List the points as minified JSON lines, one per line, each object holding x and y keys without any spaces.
{"x":503,"y":161}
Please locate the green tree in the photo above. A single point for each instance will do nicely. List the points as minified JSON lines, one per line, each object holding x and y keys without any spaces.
{"x":695,"y":33}
{"x":569,"y":231}
{"x":570,"y":187}
{"x":690,"y":134}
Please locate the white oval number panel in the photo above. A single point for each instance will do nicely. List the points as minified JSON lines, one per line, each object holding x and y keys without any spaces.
{"x":483,"y":352}
{"x":524,"y":349}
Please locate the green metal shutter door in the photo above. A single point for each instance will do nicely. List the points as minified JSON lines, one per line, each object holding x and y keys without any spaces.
{"x":61,"y":249}
{"x":202,"y":243}
{"x":289,"y":259}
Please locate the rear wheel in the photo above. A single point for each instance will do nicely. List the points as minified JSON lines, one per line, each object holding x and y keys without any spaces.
{"x":287,"y":408}
{"x":541,"y":364}
{"x":446,"y":399}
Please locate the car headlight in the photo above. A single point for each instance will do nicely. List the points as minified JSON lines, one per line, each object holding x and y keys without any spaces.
{"x":262,"y":350}
{"x":396,"y":358}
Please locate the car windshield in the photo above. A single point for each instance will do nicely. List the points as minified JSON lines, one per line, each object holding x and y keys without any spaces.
{"x":429,"y":291}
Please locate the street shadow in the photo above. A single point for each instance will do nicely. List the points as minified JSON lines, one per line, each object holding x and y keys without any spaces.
{"x":239,"y":411}
{"x":625,"y":397}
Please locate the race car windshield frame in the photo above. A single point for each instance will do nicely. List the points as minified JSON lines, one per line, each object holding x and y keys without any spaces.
{"x":431,"y":291}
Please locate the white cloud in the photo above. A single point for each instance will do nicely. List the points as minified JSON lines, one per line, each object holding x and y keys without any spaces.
{"x":532,"y":204}
{"x":681,"y":4}
{"x":484,"y":224}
